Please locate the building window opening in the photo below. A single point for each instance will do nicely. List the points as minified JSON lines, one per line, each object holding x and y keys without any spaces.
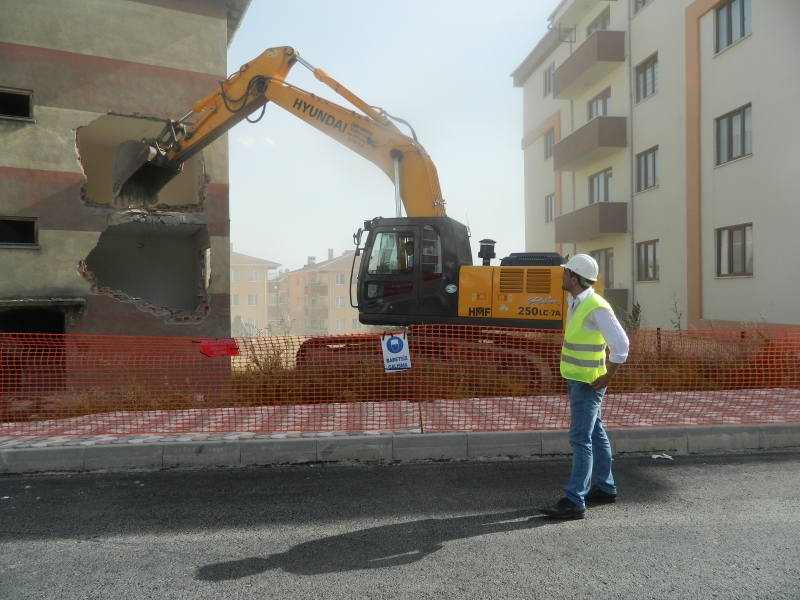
{"x":18,"y":232}
{"x":549,"y":208}
{"x":600,"y":105}
{"x":733,"y":23}
{"x":605,"y":260}
{"x":735,"y":251}
{"x":647,"y":258}
{"x":647,"y":78}
{"x":647,"y":170}
{"x":601,"y":23}
{"x":600,"y":189}
{"x":16,"y":104}
{"x":735,"y":135}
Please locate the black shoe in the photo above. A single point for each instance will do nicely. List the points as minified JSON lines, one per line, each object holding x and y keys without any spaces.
{"x":565,"y":509}
{"x":598,"y":495}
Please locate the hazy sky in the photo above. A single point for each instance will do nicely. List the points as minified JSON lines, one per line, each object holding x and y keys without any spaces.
{"x":442,"y":65}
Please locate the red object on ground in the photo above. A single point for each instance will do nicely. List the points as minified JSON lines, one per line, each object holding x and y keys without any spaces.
{"x":218,"y":347}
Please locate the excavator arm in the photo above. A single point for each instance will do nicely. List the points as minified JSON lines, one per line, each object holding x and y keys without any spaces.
{"x":142,"y":169}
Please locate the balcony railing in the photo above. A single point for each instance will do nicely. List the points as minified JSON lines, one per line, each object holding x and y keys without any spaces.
{"x":593,"y":221}
{"x":597,"y":139}
{"x":601,"y":53}
{"x":317,"y":289}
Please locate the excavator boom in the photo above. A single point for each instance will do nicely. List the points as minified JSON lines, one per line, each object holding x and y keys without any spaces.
{"x":142,"y":169}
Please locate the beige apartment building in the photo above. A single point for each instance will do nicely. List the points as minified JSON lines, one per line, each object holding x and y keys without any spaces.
{"x":659,"y":137}
{"x":252,"y":293}
{"x":317,"y":297}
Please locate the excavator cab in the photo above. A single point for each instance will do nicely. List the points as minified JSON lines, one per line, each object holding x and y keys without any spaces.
{"x":409,"y":270}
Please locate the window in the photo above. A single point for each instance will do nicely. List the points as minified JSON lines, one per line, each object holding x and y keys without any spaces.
{"x":605,"y":260}
{"x":272,"y":299}
{"x":297,"y":282}
{"x":392,"y":252}
{"x":647,"y":255}
{"x":647,"y":78}
{"x":548,"y":79}
{"x":640,"y":4}
{"x":252,"y":299}
{"x":735,"y":251}
{"x":733,"y":23}
{"x":339,"y":301}
{"x":600,"y":105}
{"x":16,"y":104}
{"x":17,"y":233}
{"x":356,"y":324}
{"x":254,"y":322}
{"x":297,"y":304}
{"x":234,"y":276}
{"x":252,"y":275}
{"x":735,"y":135}
{"x":340,"y":279}
{"x":549,"y":208}
{"x":339,"y":324}
{"x":234,"y":299}
{"x":647,"y":169}
{"x":601,"y":23}
{"x":548,"y":144}
{"x":600,"y":187}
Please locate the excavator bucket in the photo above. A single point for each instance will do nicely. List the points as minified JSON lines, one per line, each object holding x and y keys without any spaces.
{"x":136,"y":179}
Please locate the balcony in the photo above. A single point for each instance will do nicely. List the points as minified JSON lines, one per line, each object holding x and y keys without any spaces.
{"x":317,"y":289}
{"x":316,"y":311}
{"x":599,"y":138}
{"x":593,"y":221}
{"x":600,"y":54}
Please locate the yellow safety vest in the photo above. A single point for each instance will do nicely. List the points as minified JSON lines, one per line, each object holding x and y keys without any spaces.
{"x":583,"y":355}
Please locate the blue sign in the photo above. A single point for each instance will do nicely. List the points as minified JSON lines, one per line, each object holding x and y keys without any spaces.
{"x":394,"y":345}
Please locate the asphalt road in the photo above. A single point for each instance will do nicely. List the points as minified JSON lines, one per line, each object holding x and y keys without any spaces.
{"x":697,"y":527}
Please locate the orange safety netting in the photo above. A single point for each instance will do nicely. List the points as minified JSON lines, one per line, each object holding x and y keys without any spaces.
{"x":463,"y":378}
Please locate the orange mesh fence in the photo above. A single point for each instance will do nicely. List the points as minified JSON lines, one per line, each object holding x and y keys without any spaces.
{"x":463,"y":378}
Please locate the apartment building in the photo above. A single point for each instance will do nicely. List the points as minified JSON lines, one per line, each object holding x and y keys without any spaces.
{"x":657,"y":138}
{"x":77,"y":78}
{"x":317,"y":296}
{"x":252,"y":291}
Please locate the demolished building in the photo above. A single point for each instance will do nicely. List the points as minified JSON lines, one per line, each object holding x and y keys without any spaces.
{"x":73,"y":258}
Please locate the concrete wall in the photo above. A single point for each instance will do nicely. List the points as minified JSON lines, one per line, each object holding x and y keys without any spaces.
{"x":82,"y":59}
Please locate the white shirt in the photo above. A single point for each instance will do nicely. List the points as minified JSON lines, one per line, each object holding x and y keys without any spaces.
{"x":605,"y":321}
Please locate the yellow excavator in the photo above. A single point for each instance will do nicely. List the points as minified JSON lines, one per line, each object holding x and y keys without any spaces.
{"x":415,"y":270}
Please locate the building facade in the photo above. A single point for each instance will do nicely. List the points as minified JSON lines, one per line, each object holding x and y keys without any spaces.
{"x":317,"y":297}
{"x":656,"y":137}
{"x":77,"y":78}
{"x":253,"y":293}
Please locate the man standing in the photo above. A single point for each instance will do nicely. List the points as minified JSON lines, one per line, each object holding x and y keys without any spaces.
{"x":591,"y":325}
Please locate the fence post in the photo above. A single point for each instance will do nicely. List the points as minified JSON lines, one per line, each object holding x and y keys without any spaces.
{"x":658,"y":342}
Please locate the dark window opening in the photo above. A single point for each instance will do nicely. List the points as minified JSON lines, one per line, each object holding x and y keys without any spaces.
{"x":16,"y":104}
{"x":17,"y":232}
{"x":32,"y":320}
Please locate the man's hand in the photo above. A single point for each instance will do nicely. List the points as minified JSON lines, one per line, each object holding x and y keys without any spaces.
{"x":604,"y":380}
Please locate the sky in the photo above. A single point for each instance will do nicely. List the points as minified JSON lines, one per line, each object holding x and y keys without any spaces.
{"x":442,"y":65}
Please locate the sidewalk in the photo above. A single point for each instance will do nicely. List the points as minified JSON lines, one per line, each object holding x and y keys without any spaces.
{"x":87,"y":453}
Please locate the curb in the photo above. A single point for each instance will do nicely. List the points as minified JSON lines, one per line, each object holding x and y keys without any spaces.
{"x":436,"y":446}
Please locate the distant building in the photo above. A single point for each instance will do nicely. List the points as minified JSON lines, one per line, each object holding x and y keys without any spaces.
{"x":317,"y":296}
{"x":657,"y":136}
{"x":252,"y":292}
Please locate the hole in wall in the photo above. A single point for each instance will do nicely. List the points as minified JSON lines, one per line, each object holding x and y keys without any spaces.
{"x":96,"y":144}
{"x":161,"y":262}
{"x":32,"y":320}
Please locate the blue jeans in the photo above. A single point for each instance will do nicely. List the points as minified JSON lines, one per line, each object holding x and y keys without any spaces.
{"x":591,"y":451}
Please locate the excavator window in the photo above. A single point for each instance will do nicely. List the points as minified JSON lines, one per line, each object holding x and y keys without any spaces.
{"x":392,"y":253}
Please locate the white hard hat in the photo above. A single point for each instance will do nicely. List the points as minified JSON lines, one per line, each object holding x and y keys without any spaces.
{"x":583,"y":265}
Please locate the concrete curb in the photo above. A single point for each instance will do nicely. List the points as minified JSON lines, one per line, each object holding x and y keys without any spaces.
{"x":437,"y":446}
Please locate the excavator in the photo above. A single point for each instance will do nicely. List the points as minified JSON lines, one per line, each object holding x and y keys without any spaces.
{"x":416,"y":270}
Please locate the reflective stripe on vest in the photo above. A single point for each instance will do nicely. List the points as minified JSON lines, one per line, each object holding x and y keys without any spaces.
{"x":583,"y":355}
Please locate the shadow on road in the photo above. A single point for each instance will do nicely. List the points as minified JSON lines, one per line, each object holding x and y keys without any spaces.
{"x":374,"y":548}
